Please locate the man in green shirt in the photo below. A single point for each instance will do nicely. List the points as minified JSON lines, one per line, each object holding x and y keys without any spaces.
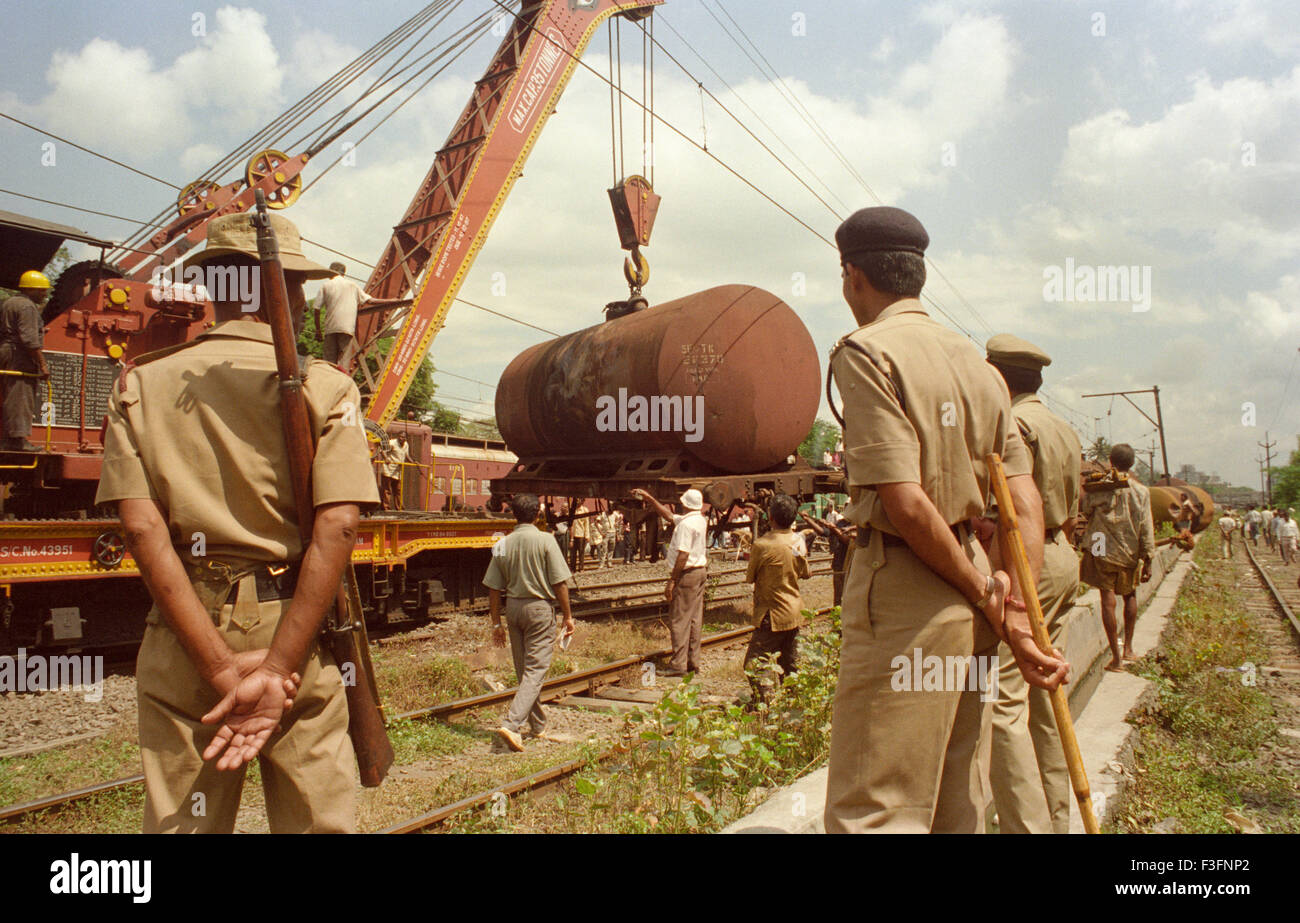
{"x":528,"y":568}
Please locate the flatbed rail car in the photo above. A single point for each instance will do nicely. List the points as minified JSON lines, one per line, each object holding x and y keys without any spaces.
{"x":70,"y":582}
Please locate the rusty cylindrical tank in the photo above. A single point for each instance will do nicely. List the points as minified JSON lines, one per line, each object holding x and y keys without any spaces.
{"x":1174,"y":488}
{"x":740,"y":360}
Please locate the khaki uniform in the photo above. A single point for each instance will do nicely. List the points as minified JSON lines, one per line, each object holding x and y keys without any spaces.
{"x":21,"y":330}
{"x":921,"y":406}
{"x":197,"y":429}
{"x":1027,"y":760}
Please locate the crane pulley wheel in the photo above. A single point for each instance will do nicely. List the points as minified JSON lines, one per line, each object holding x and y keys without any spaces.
{"x":195,"y":197}
{"x":636,"y":269}
{"x":269,"y":163}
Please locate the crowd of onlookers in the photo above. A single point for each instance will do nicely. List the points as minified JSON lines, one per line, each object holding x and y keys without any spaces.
{"x":595,"y":533}
{"x":1277,"y":526}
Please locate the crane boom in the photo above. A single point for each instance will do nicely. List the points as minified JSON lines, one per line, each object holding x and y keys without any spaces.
{"x":446,"y":224}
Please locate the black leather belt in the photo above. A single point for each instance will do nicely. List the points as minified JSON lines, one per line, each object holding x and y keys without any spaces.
{"x":276,"y":581}
{"x":890,"y":540}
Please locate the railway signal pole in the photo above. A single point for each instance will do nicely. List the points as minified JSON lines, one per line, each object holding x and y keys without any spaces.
{"x":1268,"y":465}
{"x":1158,"y":422}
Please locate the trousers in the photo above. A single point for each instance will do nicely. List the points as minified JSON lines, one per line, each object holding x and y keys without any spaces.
{"x":904,"y":753}
{"x":765,"y":641}
{"x":686,"y":619}
{"x":308,"y":767}
{"x":18,"y":405}
{"x":531,"y":624}
{"x":1027,"y":768}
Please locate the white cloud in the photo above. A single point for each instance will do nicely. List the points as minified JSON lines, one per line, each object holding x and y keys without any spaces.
{"x":317,"y":56}
{"x":1190,"y":172}
{"x":120,"y":100}
{"x":1251,"y":24}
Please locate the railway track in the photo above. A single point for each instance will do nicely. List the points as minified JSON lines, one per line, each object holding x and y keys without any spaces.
{"x":635,"y":606}
{"x":543,"y":779}
{"x":1273,"y":586}
{"x":553,"y":689}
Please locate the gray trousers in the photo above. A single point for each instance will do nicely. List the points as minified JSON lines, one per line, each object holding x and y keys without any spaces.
{"x":686,"y":619}
{"x":531,"y":623}
{"x":19,"y":401}
{"x":339,"y":348}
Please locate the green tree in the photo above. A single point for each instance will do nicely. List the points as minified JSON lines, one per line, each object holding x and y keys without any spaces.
{"x":1286,"y":482}
{"x":59,"y":262}
{"x":419,"y":398}
{"x":821,"y":438}
{"x":1099,"y":451}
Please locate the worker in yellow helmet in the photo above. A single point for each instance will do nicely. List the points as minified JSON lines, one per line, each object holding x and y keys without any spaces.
{"x":21,"y":336}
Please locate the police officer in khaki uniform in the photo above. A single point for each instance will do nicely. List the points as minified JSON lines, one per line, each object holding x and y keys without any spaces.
{"x":1027,"y":760}
{"x":921,"y":410}
{"x":230,"y":668}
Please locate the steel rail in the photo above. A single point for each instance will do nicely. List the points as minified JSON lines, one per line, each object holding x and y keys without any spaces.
{"x":543,"y":778}
{"x":560,"y":686}
{"x":1272,"y":588}
{"x":17,"y":811}
{"x":552,"y":689}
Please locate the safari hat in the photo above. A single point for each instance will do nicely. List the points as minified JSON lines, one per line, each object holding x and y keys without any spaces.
{"x":236,"y":233}
{"x":692,"y":499}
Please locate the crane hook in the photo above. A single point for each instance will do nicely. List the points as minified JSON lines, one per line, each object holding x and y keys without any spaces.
{"x":636,"y":269}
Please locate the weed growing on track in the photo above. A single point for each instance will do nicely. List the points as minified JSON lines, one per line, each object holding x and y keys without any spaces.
{"x":1198,"y":751}
{"x":408,"y":680}
{"x":88,"y":762}
{"x":688,"y":768}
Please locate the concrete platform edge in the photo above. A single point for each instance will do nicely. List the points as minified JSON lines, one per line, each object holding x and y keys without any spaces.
{"x":1105,"y":737}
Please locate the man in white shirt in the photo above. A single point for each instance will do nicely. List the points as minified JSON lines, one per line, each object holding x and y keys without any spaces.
{"x":1227,"y":526}
{"x":1288,"y":536}
{"x":340,"y":298}
{"x":1266,"y":525}
{"x":395,"y":457}
{"x":1253,"y":521}
{"x":685,"y":589}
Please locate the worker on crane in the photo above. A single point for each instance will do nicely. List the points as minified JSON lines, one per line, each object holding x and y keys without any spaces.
{"x":21,"y":337}
{"x":341,"y":300}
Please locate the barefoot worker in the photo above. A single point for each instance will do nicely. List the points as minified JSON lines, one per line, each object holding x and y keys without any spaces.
{"x":1118,"y":547}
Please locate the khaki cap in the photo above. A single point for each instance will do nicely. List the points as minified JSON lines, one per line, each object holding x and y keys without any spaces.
{"x":1008,"y":349}
{"x":236,"y":234}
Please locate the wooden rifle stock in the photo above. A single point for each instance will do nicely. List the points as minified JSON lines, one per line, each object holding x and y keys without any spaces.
{"x":345,"y":628}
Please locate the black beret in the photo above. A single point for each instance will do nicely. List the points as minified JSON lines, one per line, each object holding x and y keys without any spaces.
{"x":882,"y":228}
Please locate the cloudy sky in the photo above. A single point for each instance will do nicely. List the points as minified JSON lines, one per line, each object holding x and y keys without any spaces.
{"x":1162,"y":137}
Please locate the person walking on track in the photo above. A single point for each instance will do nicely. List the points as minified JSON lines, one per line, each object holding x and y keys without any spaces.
{"x":529,"y":570}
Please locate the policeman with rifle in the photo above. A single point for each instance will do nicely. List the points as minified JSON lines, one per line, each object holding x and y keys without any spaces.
{"x":243,"y":529}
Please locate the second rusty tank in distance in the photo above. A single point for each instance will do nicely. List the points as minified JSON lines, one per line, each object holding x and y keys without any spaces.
{"x":724,"y":380}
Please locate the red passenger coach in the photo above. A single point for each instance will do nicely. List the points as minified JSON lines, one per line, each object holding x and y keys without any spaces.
{"x":447,"y":473}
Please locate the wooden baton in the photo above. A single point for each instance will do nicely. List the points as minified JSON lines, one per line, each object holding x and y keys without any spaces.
{"x":1015,"y":544}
